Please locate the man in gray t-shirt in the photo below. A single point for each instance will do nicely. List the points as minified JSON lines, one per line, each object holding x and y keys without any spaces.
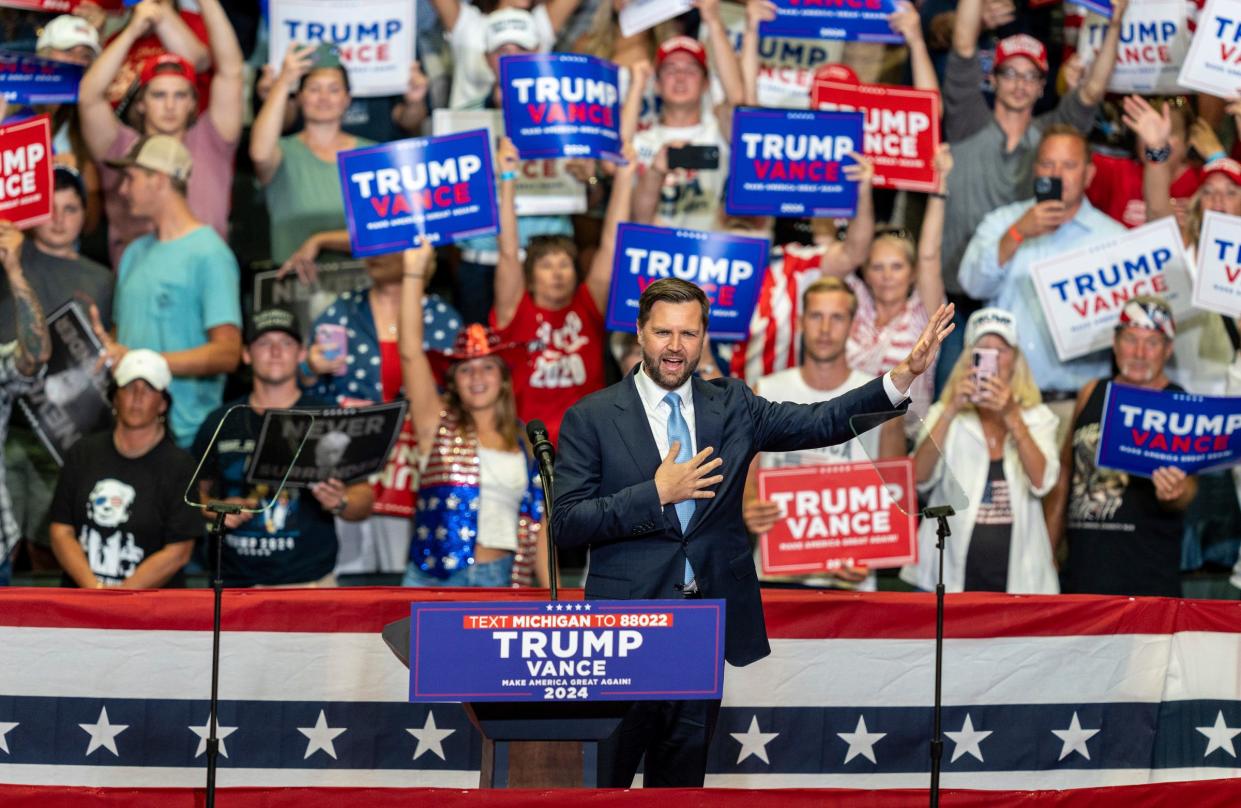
{"x":993,"y":149}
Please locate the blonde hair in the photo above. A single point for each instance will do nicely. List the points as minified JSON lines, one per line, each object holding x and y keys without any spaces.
{"x":506,"y":404}
{"x":1025,"y":391}
{"x":830,"y":283}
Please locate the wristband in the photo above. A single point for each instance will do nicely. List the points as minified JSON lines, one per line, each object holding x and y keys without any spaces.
{"x":340,"y":506}
{"x":938,"y":195}
{"x":1218,"y":154}
{"x":1161,"y":155}
{"x":1015,"y":235}
{"x":508,"y":176}
{"x":305,"y":369}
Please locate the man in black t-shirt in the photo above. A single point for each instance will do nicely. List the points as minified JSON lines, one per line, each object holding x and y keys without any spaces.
{"x":119,"y":516}
{"x":1123,"y":531}
{"x":292,"y":542}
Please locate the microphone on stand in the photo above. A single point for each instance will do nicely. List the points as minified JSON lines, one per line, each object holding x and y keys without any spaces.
{"x":545,"y":455}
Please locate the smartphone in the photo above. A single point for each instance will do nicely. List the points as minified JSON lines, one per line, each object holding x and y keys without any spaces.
{"x":332,"y":338}
{"x":695,"y":157}
{"x":1046,"y":188}
{"x":986,"y":361}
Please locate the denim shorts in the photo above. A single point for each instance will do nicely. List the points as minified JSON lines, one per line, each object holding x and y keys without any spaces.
{"x":493,"y":573}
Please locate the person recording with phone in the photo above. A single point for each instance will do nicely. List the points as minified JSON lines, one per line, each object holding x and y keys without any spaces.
{"x":990,"y":404}
{"x":1011,"y":239}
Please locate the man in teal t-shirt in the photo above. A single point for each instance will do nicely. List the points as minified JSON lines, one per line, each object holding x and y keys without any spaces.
{"x":177,"y":288}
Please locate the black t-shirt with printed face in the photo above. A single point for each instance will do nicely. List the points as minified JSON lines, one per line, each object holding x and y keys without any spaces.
{"x":293,"y":541}
{"x":125,"y":509}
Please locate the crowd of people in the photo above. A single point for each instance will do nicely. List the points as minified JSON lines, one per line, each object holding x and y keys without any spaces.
{"x":183,"y":136}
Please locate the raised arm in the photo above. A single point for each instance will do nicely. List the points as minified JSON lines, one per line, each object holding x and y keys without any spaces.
{"x":727,"y":67}
{"x":424,"y":400}
{"x":599,"y":277}
{"x":631,"y":109}
{"x":843,"y":257}
{"x":176,"y":37}
{"x":930,"y":277}
{"x":448,"y":10}
{"x":100,"y":126}
{"x":756,"y":13}
{"x":1093,"y":89}
{"x":965,"y":29}
{"x":411,"y":110}
{"x":34,"y":346}
{"x":559,"y":12}
{"x":1154,"y":128}
{"x":651,"y":185}
{"x":510,"y":280}
{"x":225,"y":108}
{"x":908,"y":23}
{"x":269,"y":123}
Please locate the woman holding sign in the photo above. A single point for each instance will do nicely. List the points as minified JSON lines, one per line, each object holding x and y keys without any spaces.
{"x":479,"y":517}
{"x":299,"y":171}
{"x":990,"y":404}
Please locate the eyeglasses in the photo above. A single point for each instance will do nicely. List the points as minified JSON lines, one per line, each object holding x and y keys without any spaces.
{"x":1012,"y":74}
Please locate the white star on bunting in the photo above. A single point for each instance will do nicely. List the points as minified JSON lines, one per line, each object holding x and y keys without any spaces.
{"x":430,"y":738}
{"x":860,"y":741}
{"x":1220,"y":736}
{"x":321,"y":737}
{"x":967,"y":740}
{"x":221,"y":732}
{"x":103,"y":733}
{"x":753,"y":742}
{"x":1074,"y":738}
{"x":5,"y":728}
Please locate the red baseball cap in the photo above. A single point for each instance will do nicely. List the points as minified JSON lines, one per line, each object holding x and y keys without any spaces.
{"x":681,"y":44}
{"x":835,"y":71}
{"x":167,"y":63}
{"x":1021,"y":45}
{"x":1228,"y":167}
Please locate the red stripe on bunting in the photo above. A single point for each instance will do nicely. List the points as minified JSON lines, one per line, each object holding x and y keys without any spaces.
{"x":790,"y":614}
{"x":1201,"y":794}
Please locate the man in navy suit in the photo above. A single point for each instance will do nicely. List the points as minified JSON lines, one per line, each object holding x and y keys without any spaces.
{"x":672,"y":527}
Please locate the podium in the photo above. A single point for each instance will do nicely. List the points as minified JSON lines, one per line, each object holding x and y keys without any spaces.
{"x":497,"y":659}
{"x":532,"y":744}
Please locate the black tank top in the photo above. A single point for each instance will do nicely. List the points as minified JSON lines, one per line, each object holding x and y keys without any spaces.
{"x":1122,"y":541}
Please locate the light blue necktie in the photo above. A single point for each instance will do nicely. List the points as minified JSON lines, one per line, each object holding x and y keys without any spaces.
{"x":678,"y":430}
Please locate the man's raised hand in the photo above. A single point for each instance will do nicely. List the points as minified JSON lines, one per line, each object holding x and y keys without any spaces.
{"x":677,"y":482}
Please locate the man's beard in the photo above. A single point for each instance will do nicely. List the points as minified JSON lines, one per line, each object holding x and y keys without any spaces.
{"x":651,"y":365}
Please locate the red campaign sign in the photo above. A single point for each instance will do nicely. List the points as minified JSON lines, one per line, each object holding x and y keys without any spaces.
{"x":26,"y":172}
{"x":394,"y":487}
{"x":901,"y":127}
{"x":840,"y":514}
{"x":60,"y":6}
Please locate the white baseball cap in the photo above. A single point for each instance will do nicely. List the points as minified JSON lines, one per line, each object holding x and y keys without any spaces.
{"x":991,"y":321}
{"x":511,"y":26}
{"x":66,"y":32}
{"x":145,"y":364}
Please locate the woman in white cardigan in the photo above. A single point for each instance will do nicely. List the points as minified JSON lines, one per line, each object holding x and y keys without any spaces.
{"x":999,"y":442}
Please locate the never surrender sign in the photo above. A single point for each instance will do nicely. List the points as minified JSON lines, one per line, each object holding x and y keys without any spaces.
{"x":27,"y":79}
{"x":375,"y":38}
{"x":1213,"y":64}
{"x":1218,"y":285}
{"x":900,"y":126}
{"x":1143,"y":430}
{"x":347,"y":444}
{"x":26,"y":172}
{"x":561,"y":105}
{"x":1082,"y":291}
{"x":860,"y":20}
{"x":838,"y":515}
{"x":728,"y":268}
{"x":600,"y":650}
{"x":791,"y":163}
{"x":442,"y":188}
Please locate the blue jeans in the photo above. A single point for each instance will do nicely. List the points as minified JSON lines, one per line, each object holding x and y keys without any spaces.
{"x":493,"y":573}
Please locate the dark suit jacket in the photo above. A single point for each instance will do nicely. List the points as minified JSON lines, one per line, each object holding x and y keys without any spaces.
{"x":605,"y":493}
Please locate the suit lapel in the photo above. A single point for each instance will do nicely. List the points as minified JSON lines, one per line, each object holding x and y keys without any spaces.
{"x":634,"y":429}
{"x":708,"y":431}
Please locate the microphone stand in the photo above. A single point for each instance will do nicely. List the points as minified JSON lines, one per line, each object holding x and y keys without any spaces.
{"x":548,"y":477}
{"x":940,"y":513}
{"x":216,"y":543}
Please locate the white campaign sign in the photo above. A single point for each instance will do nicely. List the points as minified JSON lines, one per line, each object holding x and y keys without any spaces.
{"x":639,"y":15}
{"x":1218,"y":285}
{"x":1153,"y":42}
{"x":375,"y":38}
{"x":1082,"y":291}
{"x":544,"y":187}
{"x":1213,"y":64}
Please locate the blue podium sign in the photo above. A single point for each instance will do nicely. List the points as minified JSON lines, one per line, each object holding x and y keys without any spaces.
{"x":442,"y":188}
{"x":791,"y":163}
{"x":600,"y":650}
